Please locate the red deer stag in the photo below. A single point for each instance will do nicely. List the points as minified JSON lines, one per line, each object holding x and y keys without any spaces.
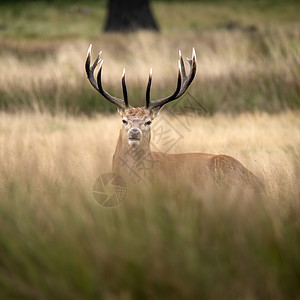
{"x":133,"y":154}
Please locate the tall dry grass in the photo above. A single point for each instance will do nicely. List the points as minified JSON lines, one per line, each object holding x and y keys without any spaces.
{"x":57,"y":241}
{"x":38,"y":147}
{"x":237,"y":70}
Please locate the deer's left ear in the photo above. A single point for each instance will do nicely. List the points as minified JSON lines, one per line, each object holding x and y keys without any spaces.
{"x":154,"y":112}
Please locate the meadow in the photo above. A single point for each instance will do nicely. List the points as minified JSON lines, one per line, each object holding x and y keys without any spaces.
{"x":57,"y":136}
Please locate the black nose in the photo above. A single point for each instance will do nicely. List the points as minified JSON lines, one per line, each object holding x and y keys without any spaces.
{"x":134,"y":133}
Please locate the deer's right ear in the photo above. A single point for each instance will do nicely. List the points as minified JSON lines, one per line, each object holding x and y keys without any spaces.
{"x":121,"y":111}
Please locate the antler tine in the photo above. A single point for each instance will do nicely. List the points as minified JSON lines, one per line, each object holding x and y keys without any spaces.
{"x":161,"y":102}
{"x":187,"y":80}
{"x":182,"y":66}
{"x":97,"y":84}
{"x":119,"y":102}
{"x":90,"y":70}
{"x":148,"y":89}
{"x":124,"y":89}
{"x":181,"y":88}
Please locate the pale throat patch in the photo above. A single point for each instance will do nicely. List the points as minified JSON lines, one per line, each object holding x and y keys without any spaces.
{"x":134,"y":143}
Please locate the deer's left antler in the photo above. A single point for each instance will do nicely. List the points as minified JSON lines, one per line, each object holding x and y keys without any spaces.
{"x":182,"y":86}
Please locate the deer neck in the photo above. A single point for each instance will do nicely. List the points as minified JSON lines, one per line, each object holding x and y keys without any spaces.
{"x":133,"y":161}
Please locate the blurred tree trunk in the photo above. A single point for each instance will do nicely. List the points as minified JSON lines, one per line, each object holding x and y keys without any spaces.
{"x":129,"y":15}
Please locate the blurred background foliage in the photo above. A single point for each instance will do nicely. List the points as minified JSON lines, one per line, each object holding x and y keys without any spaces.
{"x":248,"y":54}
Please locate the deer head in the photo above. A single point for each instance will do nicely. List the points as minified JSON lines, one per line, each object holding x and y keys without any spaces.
{"x":137,"y":120}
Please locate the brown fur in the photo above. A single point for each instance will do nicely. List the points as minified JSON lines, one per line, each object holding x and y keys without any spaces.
{"x":196,"y":169}
{"x":137,"y":112}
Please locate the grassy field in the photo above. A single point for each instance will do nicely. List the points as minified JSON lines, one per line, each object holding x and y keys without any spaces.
{"x":57,"y":136}
{"x":56,"y":241}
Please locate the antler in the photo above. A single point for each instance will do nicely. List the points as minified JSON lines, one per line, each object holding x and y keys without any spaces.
{"x":98,"y":85}
{"x":180,"y":89}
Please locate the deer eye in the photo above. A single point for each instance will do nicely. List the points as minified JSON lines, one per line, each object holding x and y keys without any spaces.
{"x":148,"y":123}
{"x":124,"y":122}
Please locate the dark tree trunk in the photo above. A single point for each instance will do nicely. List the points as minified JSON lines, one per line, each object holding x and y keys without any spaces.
{"x":129,"y":15}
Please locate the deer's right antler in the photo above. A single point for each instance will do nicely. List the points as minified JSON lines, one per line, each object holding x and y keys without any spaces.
{"x":98,"y":85}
